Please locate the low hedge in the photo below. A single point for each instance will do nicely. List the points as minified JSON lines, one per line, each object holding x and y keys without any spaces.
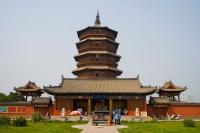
{"x":188,"y":122}
{"x":5,"y":121}
{"x":20,"y":121}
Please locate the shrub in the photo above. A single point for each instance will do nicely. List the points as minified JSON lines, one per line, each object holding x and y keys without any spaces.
{"x":4,"y":121}
{"x":20,"y":121}
{"x":188,"y":122}
{"x":36,"y":117}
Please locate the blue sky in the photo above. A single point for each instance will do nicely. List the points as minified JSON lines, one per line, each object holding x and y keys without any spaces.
{"x":159,"y":40}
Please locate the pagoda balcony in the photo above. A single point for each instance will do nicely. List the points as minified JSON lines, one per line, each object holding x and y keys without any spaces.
{"x":93,"y":69}
{"x":96,"y":63}
{"x":97,"y":35}
{"x":96,"y":49}
{"x":97,"y":42}
{"x":97,"y":56}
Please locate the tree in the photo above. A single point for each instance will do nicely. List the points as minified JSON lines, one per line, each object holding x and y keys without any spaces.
{"x":12,"y":97}
{"x":3,"y":97}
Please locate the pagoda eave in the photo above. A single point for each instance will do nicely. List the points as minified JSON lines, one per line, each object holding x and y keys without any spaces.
{"x":171,"y":90}
{"x":117,"y":57}
{"x":96,"y":39}
{"x":95,"y":27}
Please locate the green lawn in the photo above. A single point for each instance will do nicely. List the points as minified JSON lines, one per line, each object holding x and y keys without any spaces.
{"x":159,"y":127}
{"x":133,"y":127}
{"x":40,"y":127}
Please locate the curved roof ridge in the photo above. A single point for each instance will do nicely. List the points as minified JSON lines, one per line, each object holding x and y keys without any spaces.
{"x":108,"y":85}
{"x":100,"y":78}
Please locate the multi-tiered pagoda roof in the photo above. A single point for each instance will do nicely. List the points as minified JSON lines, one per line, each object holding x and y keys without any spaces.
{"x":97,"y":52}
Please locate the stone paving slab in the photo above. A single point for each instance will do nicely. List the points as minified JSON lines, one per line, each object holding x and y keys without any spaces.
{"x":89,"y":128}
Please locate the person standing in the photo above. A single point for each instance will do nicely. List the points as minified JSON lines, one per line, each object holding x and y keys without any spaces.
{"x":112,"y":116}
{"x":119,"y":117}
{"x":81,"y":116}
{"x":116,"y":117}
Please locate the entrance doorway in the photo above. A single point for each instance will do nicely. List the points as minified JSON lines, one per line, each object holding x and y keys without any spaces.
{"x":119,"y":104}
{"x":80,"y":104}
{"x":98,"y":105}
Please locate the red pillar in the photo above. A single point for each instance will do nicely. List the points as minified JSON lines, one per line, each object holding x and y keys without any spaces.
{"x":145,"y":104}
{"x":54,"y":106}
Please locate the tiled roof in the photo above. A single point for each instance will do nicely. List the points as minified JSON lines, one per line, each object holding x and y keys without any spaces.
{"x":29,"y":87}
{"x":16,"y":103}
{"x":41,"y":100}
{"x":99,"y":27}
{"x":183,"y":103}
{"x":168,"y":101}
{"x":171,"y":87}
{"x":160,"y":100}
{"x":172,"y":90}
{"x":127,"y":86}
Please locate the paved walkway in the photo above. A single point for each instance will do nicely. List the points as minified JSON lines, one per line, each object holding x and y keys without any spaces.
{"x":89,"y":128}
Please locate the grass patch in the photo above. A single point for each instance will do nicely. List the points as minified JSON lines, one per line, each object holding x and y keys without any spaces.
{"x":41,"y":127}
{"x":159,"y":127}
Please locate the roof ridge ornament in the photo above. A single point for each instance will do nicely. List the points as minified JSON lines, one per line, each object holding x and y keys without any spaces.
{"x":62,"y":76}
{"x":97,"y":21}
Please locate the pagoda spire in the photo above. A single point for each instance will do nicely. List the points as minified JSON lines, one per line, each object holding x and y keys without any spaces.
{"x":97,"y":21}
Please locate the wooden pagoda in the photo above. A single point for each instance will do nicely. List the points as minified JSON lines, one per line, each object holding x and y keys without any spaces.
{"x":97,"y":50}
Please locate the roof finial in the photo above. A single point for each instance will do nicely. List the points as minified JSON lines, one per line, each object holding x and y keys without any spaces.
{"x":97,"y":21}
{"x":62,"y":76}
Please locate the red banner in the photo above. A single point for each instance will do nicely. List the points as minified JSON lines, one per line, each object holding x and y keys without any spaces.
{"x":21,"y":109}
{"x":12,"y":109}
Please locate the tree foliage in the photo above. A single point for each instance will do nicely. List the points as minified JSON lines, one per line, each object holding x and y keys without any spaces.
{"x":12,"y":97}
{"x":3,"y":97}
